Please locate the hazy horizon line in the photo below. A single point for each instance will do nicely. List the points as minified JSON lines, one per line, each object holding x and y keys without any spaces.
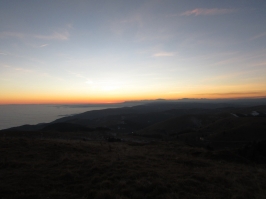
{"x":137,"y":101}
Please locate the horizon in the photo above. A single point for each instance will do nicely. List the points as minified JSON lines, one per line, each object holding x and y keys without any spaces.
{"x":145,"y":100}
{"x":103,"y":52}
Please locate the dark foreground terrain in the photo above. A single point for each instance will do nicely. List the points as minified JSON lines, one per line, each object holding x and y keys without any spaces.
{"x":158,"y":150}
{"x":56,"y":168}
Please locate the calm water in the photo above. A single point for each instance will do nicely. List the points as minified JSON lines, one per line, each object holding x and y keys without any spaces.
{"x":16,"y":115}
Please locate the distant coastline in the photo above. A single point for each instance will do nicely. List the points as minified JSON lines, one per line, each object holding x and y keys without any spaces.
{"x":16,"y":115}
{"x":22,"y":114}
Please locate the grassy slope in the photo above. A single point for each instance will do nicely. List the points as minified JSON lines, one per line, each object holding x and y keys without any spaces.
{"x":76,"y":169}
{"x":218,"y":130}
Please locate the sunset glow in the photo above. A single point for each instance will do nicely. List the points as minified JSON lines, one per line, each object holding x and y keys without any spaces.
{"x":113,"y":51}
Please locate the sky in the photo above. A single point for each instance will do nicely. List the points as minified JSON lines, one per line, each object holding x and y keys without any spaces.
{"x":103,"y":51}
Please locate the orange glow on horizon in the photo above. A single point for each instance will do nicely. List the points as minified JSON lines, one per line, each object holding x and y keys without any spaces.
{"x":119,"y":99}
{"x":59,"y":101}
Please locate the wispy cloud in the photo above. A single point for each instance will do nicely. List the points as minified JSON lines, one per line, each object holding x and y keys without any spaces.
{"x":206,"y":11}
{"x":228,"y":76}
{"x":239,"y":58}
{"x":258,"y":93}
{"x":105,"y":85}
{"x":11,"y":34}
{"x":133,"y":19}
{"x":76,"y":74}
{"x":2,"y":53}
{"x":18,"y":69}
{"x":55,"y":36}
{"x":41,"y":46}
{"x":90,"y":82}
{"x":164,"y":54}
{"x":23,"y":70}
{"x":5,"y":65}
{"x":174,"y":92}
{"x":120,"y":27}
{"x":259,"y":36}
{"x":259,"y":64}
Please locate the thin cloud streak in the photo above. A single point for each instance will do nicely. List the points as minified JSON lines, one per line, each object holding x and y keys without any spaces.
{"x":55,"y":36}
{"x":4,"y":35}
{"x":23,"y":70}
{"x":76,"y":74}
{"x":231,"y":75}
{"x":164,"y":54}
{"x":245,"y":57}
{"x":236,"y":93}
{"x":224,"y":77}
{"x":18,"y":69}
{"x":44,"y":45}
{"x":29,"y":71}
{"x":5,"y":66}
{"x":205,"y":11}
{"x":259,"y":36}
{"x":259,"y":64}
{"x":174,"y":92}
{"x":64,"y":35}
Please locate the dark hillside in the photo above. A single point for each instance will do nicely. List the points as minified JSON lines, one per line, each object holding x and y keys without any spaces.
{"x":125,"y":119}
{"x":66,"y":127}
{"x":76,"y":169}
{"x":231,"y":128}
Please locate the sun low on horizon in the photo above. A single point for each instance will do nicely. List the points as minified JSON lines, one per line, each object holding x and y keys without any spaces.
{"x":105,"y":51}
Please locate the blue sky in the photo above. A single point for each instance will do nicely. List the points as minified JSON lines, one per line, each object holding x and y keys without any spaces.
{"x":90,"y":51}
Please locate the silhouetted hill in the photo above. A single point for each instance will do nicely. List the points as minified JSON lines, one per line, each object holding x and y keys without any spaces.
{"x":197,"y":123}
{"x":177,"y":125}
{"x":130,"y":119}
{"x":27,"y":127}
{"x":66,"y":127}
{"x":224,"y":129}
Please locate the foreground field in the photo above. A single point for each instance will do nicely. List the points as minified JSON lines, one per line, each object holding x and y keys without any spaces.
{"x":47,"y":168}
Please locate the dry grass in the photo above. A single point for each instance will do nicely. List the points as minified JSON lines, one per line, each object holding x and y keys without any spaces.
{"x":78,"y":169}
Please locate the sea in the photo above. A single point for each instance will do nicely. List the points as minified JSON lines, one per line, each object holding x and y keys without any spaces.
{"x":17,"y":115}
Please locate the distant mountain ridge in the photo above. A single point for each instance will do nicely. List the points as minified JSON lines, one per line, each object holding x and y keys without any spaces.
{"x":190,"y":120}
